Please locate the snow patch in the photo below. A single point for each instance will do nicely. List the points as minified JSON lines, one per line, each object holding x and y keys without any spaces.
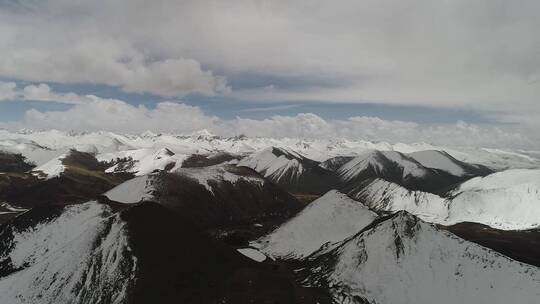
{"x":135,"y":190}
{"x":253,"y":254}
{"x":144,"y":161}
{"x":52,"y":168}
{"x":216,"y":173}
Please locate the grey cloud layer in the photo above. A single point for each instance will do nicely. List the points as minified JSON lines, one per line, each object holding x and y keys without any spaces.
{"x":429,"y":52}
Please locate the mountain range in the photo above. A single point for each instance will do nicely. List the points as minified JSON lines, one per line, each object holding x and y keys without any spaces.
{"x":116,"y":218}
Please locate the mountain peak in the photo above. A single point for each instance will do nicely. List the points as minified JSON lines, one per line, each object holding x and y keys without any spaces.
{"x":329,"y":219}
{"x":203,"y":133}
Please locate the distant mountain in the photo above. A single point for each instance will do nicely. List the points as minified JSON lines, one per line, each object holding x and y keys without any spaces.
{"x":211,"y":159}
{"x":334,"y":163}
{"x":430,"y":171}
{"x":290,"y":170}
{"x":383,"y":196}
{"x":329,"y":219}
{"x":441,"y":160}
{"x":504,"y":200}
{"x":402,"y":260}
{"x":39,"y":147}
{"x":72,"y":178}
{"x":214,"y":196}
{"x":142,"y":161}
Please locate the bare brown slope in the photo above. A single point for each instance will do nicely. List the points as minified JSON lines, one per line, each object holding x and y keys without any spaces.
{"x":84,"y":179}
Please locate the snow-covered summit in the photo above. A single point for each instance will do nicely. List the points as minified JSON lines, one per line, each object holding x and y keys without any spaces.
{"x":275,"y":163}
{"x":441,"y":160}
{"x":508,"y":200}
{"x":143,"y":161}
{"x":329,"y":219}
{"x":378,"y":162}
{"x":503,"y":179}
{"x":41,"y":146}
{"x":403,"y":260}
{"x":291,"y":170}
{"x":382,"y":195}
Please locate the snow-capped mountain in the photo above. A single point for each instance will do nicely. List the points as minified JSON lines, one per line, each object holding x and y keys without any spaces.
{"x":290,"y":170}
{"x":115,"y":218}
{"x":508,"y":200}
{"x":77,"y":255}
{"x":111,"y":253}
{"x":383,"y":196}
{"x":142,"y":161}
{"x":404,"y":260}
{"x":220,"y":195}
{"x":441,"y":160}
{"x":505,"y":200}
{"x":334,"y":163}
{"x":406,"y":170}
{"x":329,"y":219}
{"x":52,"y":168}
{"x":43,"y":146}
{"x":75,"y":177}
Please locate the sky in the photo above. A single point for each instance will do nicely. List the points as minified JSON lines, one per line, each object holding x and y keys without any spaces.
{"x":447,"y":72}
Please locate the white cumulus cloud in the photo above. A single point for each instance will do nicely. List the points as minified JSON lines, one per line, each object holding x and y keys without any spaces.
{"x":97,"y":114}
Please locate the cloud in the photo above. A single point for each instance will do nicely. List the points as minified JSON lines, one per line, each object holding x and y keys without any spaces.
{"x":102,"y":60}
{"x":115,"y":115}
{"x":308,"y":125}
{"x":40,"y":92}
{"x":7,"y":90}
{"x":480,"y":55}
{"x":270,"y":109}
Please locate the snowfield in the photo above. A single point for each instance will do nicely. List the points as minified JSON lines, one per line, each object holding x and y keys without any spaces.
{"x":135,"y":190}
{"x":52,"y":168}
{"x":253,"y":254}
